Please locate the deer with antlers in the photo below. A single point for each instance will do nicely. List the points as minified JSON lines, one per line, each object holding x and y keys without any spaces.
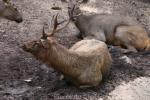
{"x":117,"y":30}
{"x":84,"y":64}
{"x":8,"y":11}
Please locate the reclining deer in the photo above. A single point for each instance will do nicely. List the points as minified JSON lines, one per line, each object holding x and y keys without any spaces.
{"x":8,"y":11}
{"x":117,"y":30}
{"x":84,"y":64}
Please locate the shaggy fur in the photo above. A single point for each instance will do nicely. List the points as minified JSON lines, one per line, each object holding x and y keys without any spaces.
{"x":84,"y":64}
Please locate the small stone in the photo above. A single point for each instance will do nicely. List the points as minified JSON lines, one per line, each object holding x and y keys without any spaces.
{"x":28,"y":80}
{"x":127,"y":59}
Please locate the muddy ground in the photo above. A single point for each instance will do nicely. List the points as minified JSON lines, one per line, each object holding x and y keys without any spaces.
{"x":22,"y":77}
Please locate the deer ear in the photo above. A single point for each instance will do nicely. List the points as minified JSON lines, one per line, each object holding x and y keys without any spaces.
{"x":44,"y":43}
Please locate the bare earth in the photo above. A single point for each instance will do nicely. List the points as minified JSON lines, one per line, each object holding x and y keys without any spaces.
{"x":22,"y":77}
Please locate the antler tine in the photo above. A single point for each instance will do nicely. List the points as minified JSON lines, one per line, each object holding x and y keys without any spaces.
{"x":44,"y":35}
{"x":71,"y":11}
{"x":73,"y":8}
{"x":72,"y":16}
{"x":63,"y":26}
{"x":55,"y":24}
{"x":61,"y":22}
{"x":52,"y":19}
{"x":55,"y":27}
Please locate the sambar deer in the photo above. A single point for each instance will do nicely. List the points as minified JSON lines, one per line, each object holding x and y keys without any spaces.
{"x":8,"y":11}
{"x":84,"y":64}
{"x":117,"y":30}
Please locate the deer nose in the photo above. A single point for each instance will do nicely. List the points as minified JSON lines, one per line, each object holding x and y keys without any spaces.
{"x":19,"y":20}
{"x":24,"y":47}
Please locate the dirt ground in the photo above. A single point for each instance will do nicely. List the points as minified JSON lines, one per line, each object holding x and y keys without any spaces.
{"x":22,"y":77}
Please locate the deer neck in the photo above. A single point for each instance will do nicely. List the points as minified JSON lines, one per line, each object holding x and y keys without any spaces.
{"x":82,"y":23}
{"x":61,"y":59}
{"x":81,"y":18}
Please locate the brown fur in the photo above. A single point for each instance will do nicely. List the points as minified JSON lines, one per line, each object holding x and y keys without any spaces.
{"x":84,"y":64}
{"x":117,"y":30}
{"x":8,"y":11}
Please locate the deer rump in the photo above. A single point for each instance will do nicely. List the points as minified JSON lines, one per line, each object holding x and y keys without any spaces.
{"x":95,"y":63}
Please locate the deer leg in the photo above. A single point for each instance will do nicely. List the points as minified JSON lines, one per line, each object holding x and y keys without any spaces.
{"x":84,"y":86}
{"x":125,"y":39}
{"x":91,"y":80}
{"x":129,"y":49}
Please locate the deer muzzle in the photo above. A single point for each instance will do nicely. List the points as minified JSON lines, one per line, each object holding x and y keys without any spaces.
{"x":26,"y":48}
{"x":19,"y":20}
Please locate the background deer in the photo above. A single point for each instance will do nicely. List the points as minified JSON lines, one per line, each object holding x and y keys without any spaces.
{"x":84,"y":64}
{"x":8,"y":11}
{"x":117,"y":30}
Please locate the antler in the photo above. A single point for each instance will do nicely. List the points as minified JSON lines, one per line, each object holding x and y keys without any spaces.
{"x":55,"y":27}
{"x":56,"y":24}
{"x":71,"y":12}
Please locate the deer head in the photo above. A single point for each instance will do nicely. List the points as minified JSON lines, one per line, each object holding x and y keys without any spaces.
{"x":43,"y":45}
{"x":8,"y":11}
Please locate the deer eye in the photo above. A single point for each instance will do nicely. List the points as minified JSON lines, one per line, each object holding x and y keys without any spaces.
{"x":15,"y":8}
{"x":35,"y":44}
